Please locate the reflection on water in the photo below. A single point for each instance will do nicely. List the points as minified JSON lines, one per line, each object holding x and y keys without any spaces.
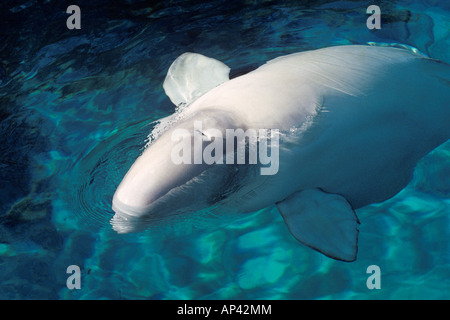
{"x":76,"y":110}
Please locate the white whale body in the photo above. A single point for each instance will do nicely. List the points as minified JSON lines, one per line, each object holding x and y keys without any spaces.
{"x":353,"y":123}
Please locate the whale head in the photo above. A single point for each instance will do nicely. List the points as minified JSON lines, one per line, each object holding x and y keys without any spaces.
{"x":177,"y":173}
{"x":182,"y":170}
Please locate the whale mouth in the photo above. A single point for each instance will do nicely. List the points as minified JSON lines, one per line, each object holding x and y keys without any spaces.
{"x":126,"y":218}
{"x":132,"y":211}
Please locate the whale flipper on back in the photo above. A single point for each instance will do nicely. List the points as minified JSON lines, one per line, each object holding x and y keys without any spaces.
{"x":191,"y":75}
{"x":313,"y":212}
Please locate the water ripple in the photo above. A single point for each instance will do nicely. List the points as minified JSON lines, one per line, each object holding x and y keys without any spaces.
{"x":100,"y":171}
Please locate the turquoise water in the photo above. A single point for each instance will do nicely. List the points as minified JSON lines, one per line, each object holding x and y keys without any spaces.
{"x":76,"y":107}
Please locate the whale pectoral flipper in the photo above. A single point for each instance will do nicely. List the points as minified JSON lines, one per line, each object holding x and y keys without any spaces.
{"x":323,"y":221}
{"x":191,"y":75}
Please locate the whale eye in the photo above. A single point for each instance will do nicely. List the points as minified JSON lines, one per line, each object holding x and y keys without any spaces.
{"x":204,"y":136}
{"x":210,"y":134}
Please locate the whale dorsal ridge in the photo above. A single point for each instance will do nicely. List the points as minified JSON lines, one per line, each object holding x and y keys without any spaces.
{"x":191,"y":75}
{"x":323,"y":221}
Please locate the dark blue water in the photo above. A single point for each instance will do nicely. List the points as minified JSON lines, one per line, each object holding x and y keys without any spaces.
{"x":76,"y":107}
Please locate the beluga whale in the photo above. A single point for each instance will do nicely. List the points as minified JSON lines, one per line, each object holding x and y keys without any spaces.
{"x":335,"y":129}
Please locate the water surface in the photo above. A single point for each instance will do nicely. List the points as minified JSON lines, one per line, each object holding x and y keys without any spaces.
{"x":76,"y":107}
